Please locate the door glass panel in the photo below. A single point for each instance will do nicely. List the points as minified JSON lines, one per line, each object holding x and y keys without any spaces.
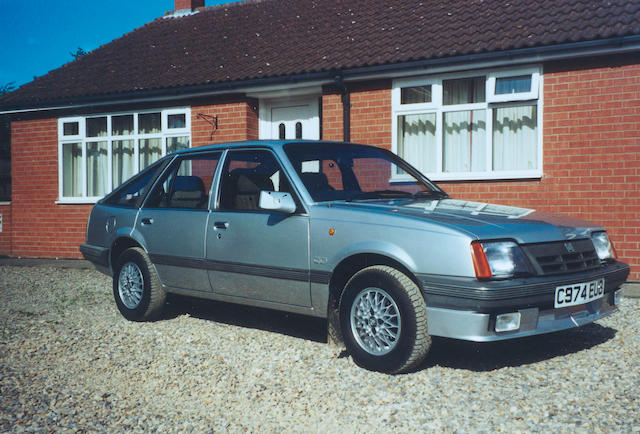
{"x":245,"y":175}
{"x":186,"y":185}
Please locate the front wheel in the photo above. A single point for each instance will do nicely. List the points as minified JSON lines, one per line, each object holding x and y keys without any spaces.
{"x":384,"y":320}
{"x":136,"y":287}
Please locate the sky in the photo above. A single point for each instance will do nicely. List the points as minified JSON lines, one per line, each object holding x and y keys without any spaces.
{"x":37,"y":36}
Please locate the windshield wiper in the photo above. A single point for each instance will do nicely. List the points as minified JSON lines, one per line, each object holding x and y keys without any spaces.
{"x":380,"y":194}
{"x":431,"y":194}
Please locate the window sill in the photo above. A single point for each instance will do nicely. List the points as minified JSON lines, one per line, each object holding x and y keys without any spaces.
{"x":77,"y":201}
{"x":4,"y":202}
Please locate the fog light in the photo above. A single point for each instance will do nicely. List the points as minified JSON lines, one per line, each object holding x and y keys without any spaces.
{"x":508,"y":321}
{"x":618,"y":297}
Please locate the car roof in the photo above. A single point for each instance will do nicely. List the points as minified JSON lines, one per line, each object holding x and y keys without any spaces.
{"x":273,"y":144}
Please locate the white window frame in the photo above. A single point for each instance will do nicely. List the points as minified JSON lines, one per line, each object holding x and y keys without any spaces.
{"x":82,"y":138}
{"x":534,"y":96}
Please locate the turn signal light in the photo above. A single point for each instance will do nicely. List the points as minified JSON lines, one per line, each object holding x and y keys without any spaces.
{"x":480,"y":262}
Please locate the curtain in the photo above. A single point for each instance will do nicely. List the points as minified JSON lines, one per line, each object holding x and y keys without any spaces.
{"x":464,"y":91}
{"x":122,"y":163}
{"x":177,"y":144}
{"x":515,"y":138}
{"x":417,"y":141}
{"x":72,"y":170}
{"x":150,"y":151}
{"x":465,"y":141}
{"x":97,"y":169}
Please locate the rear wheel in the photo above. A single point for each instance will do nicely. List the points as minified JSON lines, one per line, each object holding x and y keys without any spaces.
{"x":384,"y":320}
{"x":136,"y":287}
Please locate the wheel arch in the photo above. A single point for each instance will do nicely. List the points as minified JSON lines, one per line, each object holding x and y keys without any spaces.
{"x":356,"y":262}
{"x":118,"y":246}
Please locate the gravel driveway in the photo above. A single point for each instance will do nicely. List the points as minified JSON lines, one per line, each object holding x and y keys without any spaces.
{"x":70,"y":362}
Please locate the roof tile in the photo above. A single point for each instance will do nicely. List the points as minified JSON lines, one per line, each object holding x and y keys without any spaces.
{"x":256,"y":39}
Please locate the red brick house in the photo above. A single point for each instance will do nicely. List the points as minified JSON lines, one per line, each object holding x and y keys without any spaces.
{"x":532,"y":104}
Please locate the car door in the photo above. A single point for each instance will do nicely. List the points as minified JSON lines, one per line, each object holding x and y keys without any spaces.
{"x":254,"y":253}
{"x":174,"y":218}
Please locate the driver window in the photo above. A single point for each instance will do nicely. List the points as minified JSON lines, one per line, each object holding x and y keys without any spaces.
{"x":245,"y":175}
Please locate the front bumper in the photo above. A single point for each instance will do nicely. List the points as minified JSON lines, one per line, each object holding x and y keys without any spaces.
{"x":467,"y":308}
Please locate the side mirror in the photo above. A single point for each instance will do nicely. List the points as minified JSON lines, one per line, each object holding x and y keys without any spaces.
{"x":277,"y":201}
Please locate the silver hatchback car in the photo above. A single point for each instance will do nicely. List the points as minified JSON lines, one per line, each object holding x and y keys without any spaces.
{"x":351,"y":233}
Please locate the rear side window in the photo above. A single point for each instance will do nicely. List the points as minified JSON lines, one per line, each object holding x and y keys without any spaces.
{"x":131,"y":192}
{"x":186,"y":185}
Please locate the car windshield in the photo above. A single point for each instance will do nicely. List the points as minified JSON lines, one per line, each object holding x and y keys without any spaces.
{"x":356,"y":172}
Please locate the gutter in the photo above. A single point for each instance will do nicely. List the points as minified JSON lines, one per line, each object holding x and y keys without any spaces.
{"x":617,"y":45}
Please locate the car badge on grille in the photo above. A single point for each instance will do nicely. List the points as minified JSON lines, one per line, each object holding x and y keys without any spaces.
{"x":569,"y":247}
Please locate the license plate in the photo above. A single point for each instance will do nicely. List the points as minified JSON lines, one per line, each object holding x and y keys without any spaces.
{"x":578,"y":293}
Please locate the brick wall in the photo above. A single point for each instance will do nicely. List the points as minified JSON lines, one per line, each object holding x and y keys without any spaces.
{"x":39,"y":227}
{"x":371,"y":114}
{"x":331,"y":116}
{"x":5,"y":235}
{"x":237,"y":121}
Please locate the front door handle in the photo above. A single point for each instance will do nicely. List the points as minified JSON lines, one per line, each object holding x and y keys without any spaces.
{"x":220,"y":225}
{"x":146,"y":221}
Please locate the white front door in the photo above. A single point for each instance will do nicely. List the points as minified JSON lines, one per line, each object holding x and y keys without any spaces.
{"x":290,"y":119}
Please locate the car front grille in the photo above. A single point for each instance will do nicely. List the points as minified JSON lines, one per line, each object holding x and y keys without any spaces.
{"x":563,"y":257}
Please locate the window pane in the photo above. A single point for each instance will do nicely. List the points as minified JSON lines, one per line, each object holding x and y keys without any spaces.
{"x":149,"y":123}
{"x":177,"y":121}
{"x":97,"y":169}
{"x":281,"y":132}
{"x":515,"y":138}
{"x":97,"y":127}
{"x":298,"y":130}
{"x":417,"y":141}
{"x":177,"y":143}
{"x":122,"y":125}
{"x":465,"y":141}
{"x":131,"y":191}
{"x":246,"y":173}
{"x":508,"y":85}
{"x":70,"y":129}
{"x":464,"y":91}
{"x":72,"y":170}
{"x":122,"y":164}
{"x":415,"y":95}
{"x":150,"y":150}
{"x":186,"y":185}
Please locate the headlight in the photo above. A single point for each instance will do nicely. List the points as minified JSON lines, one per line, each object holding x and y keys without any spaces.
{"x":603,"y":246}
{"x":498,"y":259}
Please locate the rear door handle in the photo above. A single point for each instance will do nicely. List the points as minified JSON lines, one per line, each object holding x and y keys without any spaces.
{"x":146,"y":221}
{"x":220,"y":225}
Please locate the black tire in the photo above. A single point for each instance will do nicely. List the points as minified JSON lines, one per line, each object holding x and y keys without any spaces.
{"x":140,"y":296}
{"x":404,"y":307}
